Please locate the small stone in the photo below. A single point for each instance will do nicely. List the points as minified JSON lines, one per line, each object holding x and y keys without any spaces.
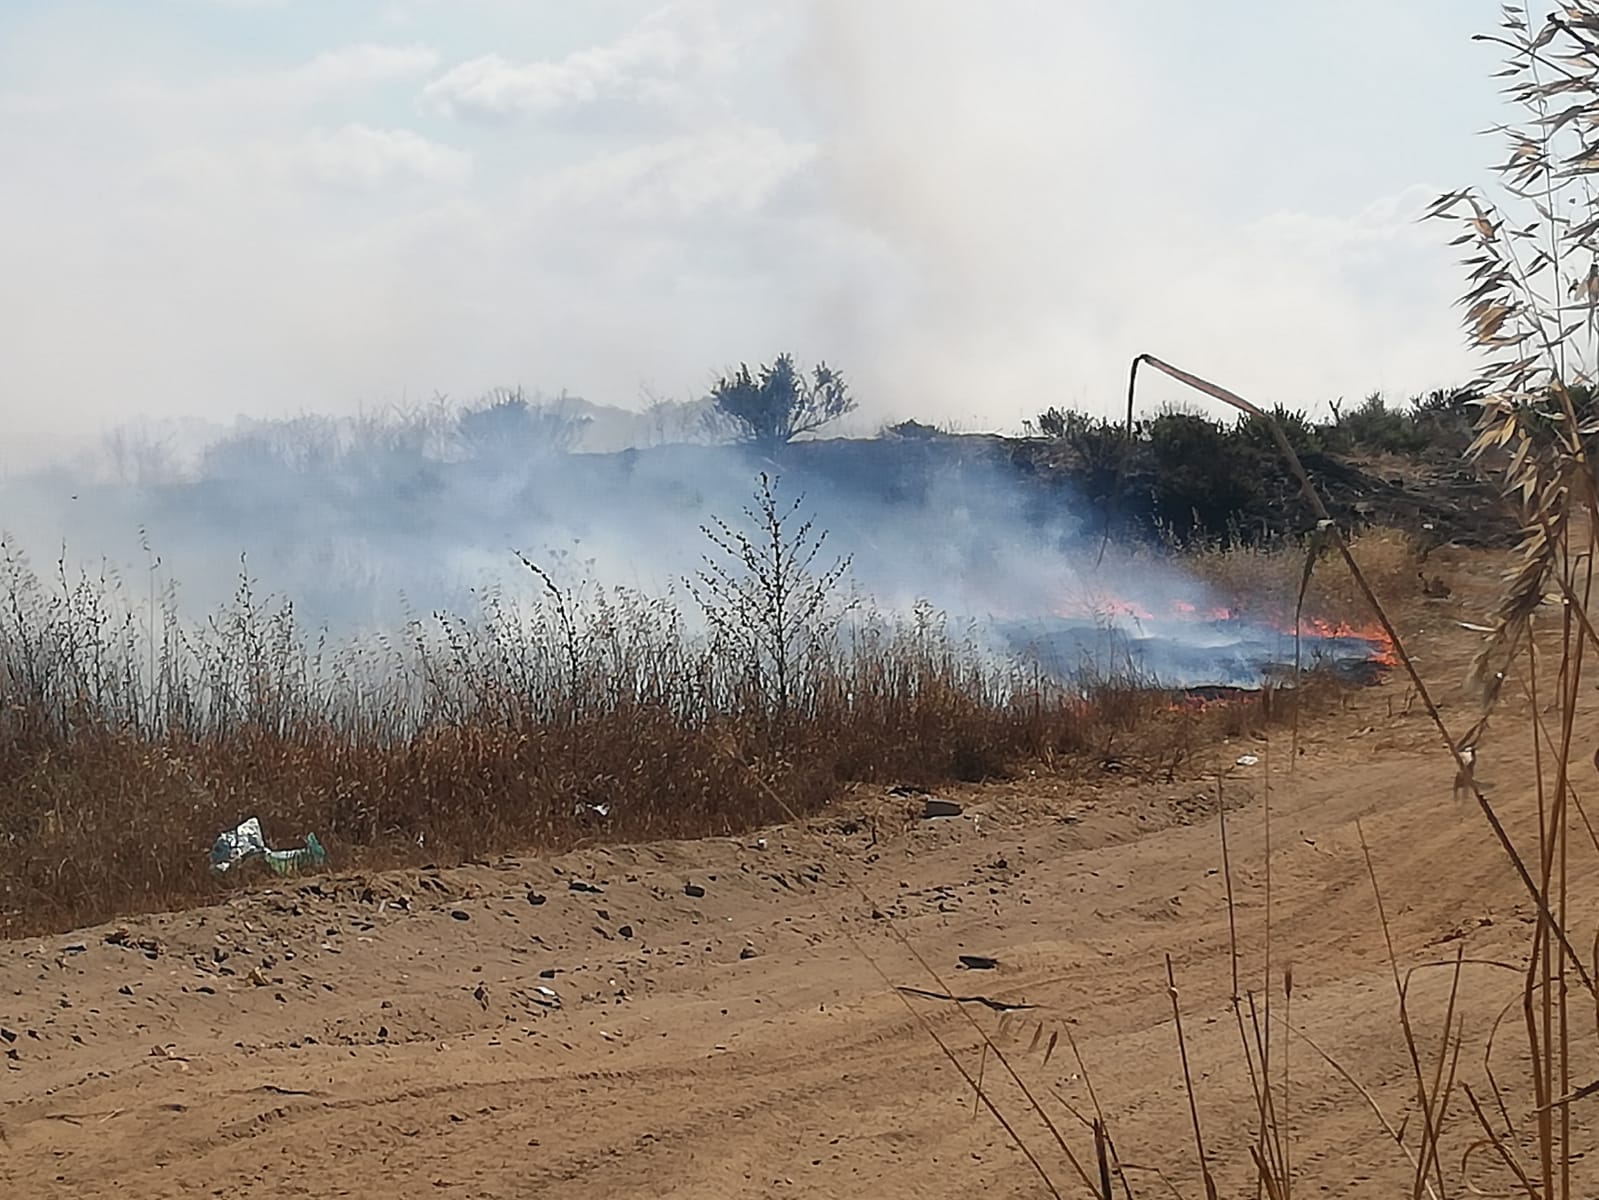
{"x":748,"y":952}
{"x":694,"y":890}
{"x":460,"y":915}
{"x":536,"y":898}
{"x":626,"y":931}
{"x":934,"y":807}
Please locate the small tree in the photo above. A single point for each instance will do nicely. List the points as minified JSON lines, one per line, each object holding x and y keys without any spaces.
{"x":139,"y":455}
{"x":762,"y":598}
{"x":506,"y":427}
{"x":1375,"y":426}
{"x":773,"y":408}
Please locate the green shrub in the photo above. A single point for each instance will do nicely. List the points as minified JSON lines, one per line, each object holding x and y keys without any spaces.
{"x":1375,"y":426}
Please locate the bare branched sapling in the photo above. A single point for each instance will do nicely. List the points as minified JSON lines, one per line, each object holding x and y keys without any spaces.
{"x":764,"y":601}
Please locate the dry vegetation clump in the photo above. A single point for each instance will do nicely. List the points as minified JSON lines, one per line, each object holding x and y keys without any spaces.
{"x":1264,"y":581}
{"x":129,"y":739}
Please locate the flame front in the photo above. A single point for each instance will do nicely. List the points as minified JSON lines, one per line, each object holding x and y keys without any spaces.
{"x":1192,"y":625}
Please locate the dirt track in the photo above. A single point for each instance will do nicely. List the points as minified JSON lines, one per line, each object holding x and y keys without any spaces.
{"x":365,"y":1037}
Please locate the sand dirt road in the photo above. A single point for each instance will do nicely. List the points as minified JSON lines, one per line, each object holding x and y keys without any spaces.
{"x":386,"y":1035}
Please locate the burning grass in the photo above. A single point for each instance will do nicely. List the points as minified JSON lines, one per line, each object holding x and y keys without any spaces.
{"x":1255,"y":581}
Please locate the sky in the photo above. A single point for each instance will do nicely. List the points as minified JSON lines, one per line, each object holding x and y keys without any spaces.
{"x":215,"y":208}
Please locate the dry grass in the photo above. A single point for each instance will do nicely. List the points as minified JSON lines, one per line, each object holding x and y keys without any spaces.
{"x":1256,"y":581}
{"x":128,"y":740}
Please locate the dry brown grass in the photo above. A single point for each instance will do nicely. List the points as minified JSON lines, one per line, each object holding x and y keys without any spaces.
{"x":127,"y":740}
{"x":1259,"y":581}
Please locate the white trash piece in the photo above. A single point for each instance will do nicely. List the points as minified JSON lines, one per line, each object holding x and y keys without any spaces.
{"x":245,"y":843}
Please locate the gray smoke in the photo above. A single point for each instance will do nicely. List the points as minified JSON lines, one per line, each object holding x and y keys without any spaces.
{"x":367,"y":524}
{"x":363,"y":522}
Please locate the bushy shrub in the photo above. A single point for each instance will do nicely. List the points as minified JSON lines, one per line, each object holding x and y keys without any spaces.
{"x":771,"y":407}
{"x":1375,"y":426}
{"x":1201,"y":474}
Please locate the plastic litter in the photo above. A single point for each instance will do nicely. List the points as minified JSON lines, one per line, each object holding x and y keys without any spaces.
{"x":246,"y":843}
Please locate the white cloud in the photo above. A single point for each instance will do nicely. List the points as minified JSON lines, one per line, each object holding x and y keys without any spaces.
{"x":208,"y":97}
{"x":351,"y":157}
{"x":358,"y":66}
{"x":360,"y":156}
{"x":733,"y":170}
{"x":638,"y":66}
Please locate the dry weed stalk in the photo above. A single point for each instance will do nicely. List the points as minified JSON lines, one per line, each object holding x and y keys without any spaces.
{"x":1546,"y":991}
{"x":1532,"y":305}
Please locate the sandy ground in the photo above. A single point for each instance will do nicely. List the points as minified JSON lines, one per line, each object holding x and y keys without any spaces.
{"x":716,"y":1018}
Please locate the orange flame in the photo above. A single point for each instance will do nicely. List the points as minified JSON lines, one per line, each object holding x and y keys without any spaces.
{"x":1310,"y":629}
{"x":1315,"y":627}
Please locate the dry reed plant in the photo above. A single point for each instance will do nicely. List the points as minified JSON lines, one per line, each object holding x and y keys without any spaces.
{"x":1262,"y":581}
{"x":1532,"y":305}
